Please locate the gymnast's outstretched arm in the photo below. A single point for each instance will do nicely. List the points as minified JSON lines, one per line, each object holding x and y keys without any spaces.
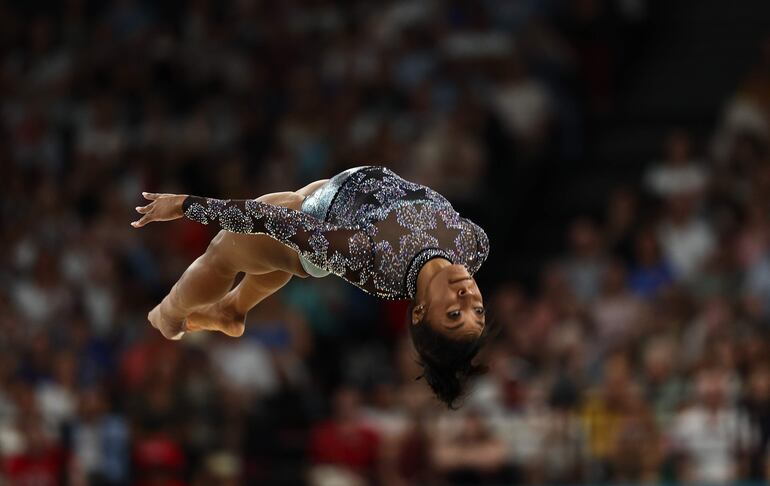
{"x":337,"y":249}
{"x":210,"y":277}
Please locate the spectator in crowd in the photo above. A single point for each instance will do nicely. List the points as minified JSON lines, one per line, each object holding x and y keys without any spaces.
{"x":57,"y":398}
{"x":41,"y":460}
{"x":470,"y":454}
{"x":650,"y":273}
{"x":678,"y":174}
{"x":712,"y":435}
{"x":757,"y":404}
{"x":686,"y":239}
{"x":604,"y":413}
{"x":221,"y":468}
{"x":585,"y":264}
{"x":524,"y":105}
{"x":662,"y":385}
{"x":545,"y":441}
{"x":616,"y":312}
{"x":621,"y":220}
{"x":346,"y":442}
{"x":636,"y":453}
{"x":100,"y":442}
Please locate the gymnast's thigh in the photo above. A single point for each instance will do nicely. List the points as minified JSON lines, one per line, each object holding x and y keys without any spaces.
{"x":255,"y":254}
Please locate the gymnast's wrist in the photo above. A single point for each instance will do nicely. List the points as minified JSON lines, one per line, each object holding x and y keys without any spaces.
{"x":185,"y":202}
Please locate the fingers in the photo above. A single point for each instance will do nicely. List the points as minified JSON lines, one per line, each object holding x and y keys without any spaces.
{"x":142,"y":221}
{"x":145,"y":210}
{"x":151,"y":211}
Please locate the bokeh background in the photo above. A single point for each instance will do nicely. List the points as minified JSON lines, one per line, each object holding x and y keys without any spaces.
{"x":616,"y":152}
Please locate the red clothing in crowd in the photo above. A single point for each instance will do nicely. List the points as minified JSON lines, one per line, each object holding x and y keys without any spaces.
{"x":159,"y":461}
{"x":43,"y":469}
{"x":352,"y":445}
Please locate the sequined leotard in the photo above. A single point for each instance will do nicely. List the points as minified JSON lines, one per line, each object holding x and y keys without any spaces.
{"x":379,"y":231}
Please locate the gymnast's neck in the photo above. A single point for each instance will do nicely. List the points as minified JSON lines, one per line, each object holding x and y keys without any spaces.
{"x":428,"y":271}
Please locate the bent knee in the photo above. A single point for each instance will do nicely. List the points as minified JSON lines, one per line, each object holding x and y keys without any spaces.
{"x":219,"y":253}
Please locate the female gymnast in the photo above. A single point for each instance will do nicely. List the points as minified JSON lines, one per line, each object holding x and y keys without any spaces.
{"x":390,"y":237}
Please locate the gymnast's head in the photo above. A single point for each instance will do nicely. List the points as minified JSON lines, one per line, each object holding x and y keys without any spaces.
{"x":447,"y":324}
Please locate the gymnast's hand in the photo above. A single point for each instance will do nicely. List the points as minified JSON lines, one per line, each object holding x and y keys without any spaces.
{"x":164,"y":207}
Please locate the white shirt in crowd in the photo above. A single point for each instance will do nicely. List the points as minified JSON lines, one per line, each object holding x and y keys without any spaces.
{"x":712,"y":441}
{"x":666,"y":180}
{"x":686,"y":246}
{"x":245,"y":365}
{"x":524,"y":107}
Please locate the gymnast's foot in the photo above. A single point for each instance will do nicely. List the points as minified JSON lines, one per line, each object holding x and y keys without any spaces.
{"x":170,"y":328}
{"x":219,"y":316}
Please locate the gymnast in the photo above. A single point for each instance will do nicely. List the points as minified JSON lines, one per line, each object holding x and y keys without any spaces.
{"x":389,"y":237}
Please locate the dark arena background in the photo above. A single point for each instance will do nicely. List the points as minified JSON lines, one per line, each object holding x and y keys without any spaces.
{"x":616,"y":152}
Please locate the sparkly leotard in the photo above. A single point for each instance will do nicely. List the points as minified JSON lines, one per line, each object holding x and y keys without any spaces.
{"x":378,"y":233}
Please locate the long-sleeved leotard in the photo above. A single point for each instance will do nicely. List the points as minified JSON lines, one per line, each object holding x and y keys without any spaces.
{"x":379,"y":231}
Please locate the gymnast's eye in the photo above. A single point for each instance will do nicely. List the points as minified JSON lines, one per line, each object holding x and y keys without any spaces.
{"x":480,"y":311}
{"x":453,"y":314}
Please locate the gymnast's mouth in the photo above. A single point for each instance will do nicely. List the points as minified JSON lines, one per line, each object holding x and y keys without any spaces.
{"x":460,"y":279}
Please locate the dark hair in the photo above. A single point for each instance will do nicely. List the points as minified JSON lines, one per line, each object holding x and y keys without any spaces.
{"x":447,"y":363}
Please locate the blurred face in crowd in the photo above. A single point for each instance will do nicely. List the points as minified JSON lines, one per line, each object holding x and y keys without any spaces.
{"x":509,"y":300}
{"x":681,"y":208}
{"x":616,"y":380}
{"x":584,"y":238}
{"x":473,"y":428}
{"x":65,"y":368}
{"x":647,"y":250}
{"x":92,"y":403}
{"x":759,"y":384}
{"x":453,"y":304}
{"x":622,"y":208}
{"x":717,"y":313}
{"x":384,"y":395}
{"x":614,"y":278}
{"x":35,"y":436}
{"x":658,"y":360}
{"x":712,"y":388}
{"x":678,"y":148}
{"x":346,"y":404}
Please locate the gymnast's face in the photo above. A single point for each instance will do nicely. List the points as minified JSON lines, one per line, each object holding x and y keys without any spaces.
{"x":453,"y":304}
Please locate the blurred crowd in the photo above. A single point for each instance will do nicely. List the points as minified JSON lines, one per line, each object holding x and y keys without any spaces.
{"x":641,"y":355}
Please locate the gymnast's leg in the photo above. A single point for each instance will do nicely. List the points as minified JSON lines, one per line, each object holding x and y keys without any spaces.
{"x":228,"y":315}
{"x":210,"y":277}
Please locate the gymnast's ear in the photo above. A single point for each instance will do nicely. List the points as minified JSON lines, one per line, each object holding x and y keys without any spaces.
{"x":418,"y":313}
